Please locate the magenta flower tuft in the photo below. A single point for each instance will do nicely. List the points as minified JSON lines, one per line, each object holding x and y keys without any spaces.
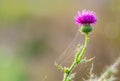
{"x":86,"y":17}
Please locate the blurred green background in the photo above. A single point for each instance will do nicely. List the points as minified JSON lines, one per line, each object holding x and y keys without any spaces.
{"x":34,"y":33}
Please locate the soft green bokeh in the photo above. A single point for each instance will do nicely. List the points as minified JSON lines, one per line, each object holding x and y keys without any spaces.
{"x":11,"y":69}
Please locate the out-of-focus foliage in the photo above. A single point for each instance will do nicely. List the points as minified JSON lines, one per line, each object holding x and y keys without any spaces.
{"x":11,"y":69}
{"x":17,"y":9}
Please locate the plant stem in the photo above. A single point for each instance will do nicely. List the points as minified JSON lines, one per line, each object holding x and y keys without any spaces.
{"x":79,"y":56}
{"x":84,"y":48}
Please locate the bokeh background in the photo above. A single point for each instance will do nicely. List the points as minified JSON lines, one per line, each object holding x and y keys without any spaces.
{"x":35,"y":33}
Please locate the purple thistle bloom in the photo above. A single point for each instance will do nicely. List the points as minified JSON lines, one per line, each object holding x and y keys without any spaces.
{"x":86,"y":17}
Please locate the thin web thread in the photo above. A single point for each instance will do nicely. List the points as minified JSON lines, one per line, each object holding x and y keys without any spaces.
{"x":82,"y":74}
{"x":62,"y":58}
{"x":70,"y":54}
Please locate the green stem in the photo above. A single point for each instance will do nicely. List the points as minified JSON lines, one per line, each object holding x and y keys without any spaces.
{"x":79,"y":56}
{"x":84,"y":48}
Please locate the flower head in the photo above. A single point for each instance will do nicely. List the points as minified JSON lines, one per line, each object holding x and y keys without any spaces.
{"x":86,"y":17}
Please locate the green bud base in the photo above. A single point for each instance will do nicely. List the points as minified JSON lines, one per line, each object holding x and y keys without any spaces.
{"x":86,"y":29}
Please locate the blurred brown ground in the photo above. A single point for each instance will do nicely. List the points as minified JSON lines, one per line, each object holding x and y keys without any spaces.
{"x":34,"y":33}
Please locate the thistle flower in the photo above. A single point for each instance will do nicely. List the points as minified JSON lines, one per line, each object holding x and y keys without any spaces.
{"x":86,"y":17}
